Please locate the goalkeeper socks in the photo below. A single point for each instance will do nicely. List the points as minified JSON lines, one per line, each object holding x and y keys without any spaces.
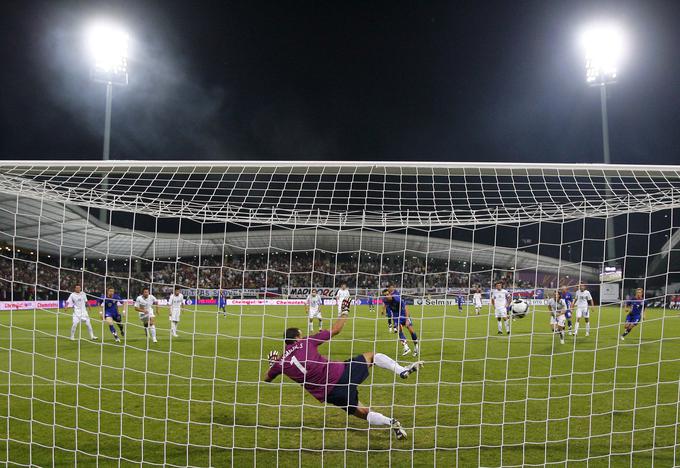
{"x":377,"y":419}
{"x":385,"y":362}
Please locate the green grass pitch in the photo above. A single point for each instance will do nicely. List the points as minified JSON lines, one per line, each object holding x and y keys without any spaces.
{"x":481,"y":400}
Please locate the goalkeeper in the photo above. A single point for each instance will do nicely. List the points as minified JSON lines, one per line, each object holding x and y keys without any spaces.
{"x":331,"y":381}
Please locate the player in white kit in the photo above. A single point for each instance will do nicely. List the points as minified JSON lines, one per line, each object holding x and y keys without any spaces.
{"x":144,"y":305}
{"x":477,"y":300}
{"x":340,"y":296}
{"x":175,"y":303}
{"x":78,"y":300}
{"x":500,"y":298}
{"x":313,"y":305}
{"x":558,"y":317}
{"x":582,"y":298}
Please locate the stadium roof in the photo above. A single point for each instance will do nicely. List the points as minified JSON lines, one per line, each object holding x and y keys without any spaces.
{"x":350,"y":193}
{"x":68,"y":230}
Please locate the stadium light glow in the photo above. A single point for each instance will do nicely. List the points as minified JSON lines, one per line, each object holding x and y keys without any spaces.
{"x":107,"y":45}
{"x":604,"y":45}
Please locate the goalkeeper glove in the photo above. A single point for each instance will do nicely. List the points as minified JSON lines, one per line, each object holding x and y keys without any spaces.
{"x":273,"y":358}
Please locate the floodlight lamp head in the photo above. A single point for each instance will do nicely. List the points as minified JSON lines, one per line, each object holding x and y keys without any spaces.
{"x":605,"y":47}
{"x":107,"y":45}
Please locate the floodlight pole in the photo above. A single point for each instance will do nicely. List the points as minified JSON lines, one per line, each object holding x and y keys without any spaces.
{"x":107,"y":142}
{"x":107,"y":121}
{"x":609,"y":233}
{"x":605,"y":124}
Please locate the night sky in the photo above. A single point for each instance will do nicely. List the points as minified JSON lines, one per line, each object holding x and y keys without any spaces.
{"x":344,"y":80}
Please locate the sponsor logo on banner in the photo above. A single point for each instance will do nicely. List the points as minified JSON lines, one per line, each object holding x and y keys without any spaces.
{"x":25,"y":305}
{"x":216,"y":292}
{"x":304,"y":292}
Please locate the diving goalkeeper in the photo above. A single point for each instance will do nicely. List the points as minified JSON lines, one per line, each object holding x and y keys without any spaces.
{"x":331,"y":381}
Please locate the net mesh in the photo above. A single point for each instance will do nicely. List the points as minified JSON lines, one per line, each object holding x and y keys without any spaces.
{"x":245,"y":242}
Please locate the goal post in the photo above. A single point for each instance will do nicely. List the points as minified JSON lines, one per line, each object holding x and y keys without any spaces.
{"x":244,"y":243}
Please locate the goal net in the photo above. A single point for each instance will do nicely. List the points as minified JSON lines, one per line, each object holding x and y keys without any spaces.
{"x":246,"y":242}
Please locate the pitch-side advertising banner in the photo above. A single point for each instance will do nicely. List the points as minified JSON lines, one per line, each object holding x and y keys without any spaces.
{"x":24,"y":305}
{"x":454,"y":301}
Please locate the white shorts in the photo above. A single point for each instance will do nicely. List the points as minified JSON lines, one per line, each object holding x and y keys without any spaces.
{"x":174,"y":315}
{"x":582,"y":312}
{"x":501,"y":312}
{"x":559,"y":320}
{"x":145,"y":317}
{"x":478,"y":305}
{"x":314,"y":313}
{"x":81,"y":318}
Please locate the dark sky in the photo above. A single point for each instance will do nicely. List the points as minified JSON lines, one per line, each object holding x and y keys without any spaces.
{"x":344,"y":80}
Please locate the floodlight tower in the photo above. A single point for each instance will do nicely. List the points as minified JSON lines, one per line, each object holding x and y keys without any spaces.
{"x":604,"y":46}
{"x":108,"y":48}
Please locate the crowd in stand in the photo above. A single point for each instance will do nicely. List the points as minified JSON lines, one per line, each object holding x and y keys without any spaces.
{"x":25,"y":277}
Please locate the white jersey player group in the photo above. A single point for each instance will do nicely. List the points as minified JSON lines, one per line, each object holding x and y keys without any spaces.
{"x":560,"y":310}
{"x":314,"y":302}
{"x":558,"y":306}
{"x":145,"y":305}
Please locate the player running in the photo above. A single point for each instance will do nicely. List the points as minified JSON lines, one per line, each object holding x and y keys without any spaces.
{"x":144,"y":305}
{"x":332,"y":381}
{"x":401,"y":318}
{"x":568,"y":299}
{"x":477,"y":300}
{"x":583,"y":298}
{"x":78,"y":300}
{"x":175,"y":303}
{"x":341,"y":295}
{"x":500,"y":298}
{"x":558,"y":309}
{"x":110,"y":313}
{"x":313,"y":305}
{"x":636,"y":312}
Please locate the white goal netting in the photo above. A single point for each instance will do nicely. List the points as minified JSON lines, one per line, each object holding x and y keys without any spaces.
{"x":246,"y":242}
